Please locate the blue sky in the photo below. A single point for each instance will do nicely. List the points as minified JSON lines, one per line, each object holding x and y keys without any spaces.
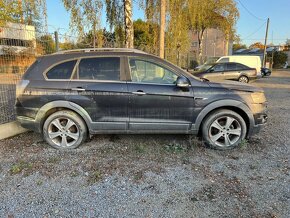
{"x":250,"y":26}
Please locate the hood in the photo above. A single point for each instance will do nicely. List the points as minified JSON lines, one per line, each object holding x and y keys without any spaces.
{"x":237,"y":86}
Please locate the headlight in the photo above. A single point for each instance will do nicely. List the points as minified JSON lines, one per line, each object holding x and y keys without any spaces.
{"x":258,"y":97}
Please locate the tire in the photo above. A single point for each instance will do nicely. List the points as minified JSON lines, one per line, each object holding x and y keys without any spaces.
{"x":243,"y":79}
{"x":64,"y":130}
{"x":223,"y":129}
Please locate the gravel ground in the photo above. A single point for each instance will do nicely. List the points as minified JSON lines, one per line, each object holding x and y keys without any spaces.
{"x":153,"y":175}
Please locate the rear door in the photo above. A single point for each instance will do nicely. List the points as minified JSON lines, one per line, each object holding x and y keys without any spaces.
{"x":156,"y":103}
{"x":231,"y":71}
{"x":99,"y":86}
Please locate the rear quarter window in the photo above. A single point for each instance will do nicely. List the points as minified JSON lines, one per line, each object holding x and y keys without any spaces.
{"x":61,"y":71}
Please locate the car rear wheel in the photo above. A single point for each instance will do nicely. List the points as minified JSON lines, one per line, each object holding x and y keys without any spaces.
{"x":244,"y":79}
{"x":64,"y":130}
{"x":224,"y":129}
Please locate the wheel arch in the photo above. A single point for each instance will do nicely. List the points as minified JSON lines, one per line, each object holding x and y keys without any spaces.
{"x":54,"y":106}
{"x":239,"y":107}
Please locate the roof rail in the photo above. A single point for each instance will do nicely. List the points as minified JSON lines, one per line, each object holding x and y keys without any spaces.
{"x":100,"y":50}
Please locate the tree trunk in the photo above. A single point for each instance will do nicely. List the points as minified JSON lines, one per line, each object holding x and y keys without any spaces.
{"x":200,"y":45}
{"x":129,"y":30}
{"x":162,"y":27}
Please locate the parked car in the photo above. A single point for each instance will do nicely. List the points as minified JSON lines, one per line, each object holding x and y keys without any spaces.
{"x":70,"y":95}
{"x":210,"y":60}
{"x":265,"y":71}
{"x":227,"y":71}
{"x":248,"y":60}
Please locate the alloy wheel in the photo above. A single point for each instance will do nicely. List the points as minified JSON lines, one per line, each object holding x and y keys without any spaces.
{"x":63,"y":132}
{"x":225,"y":131}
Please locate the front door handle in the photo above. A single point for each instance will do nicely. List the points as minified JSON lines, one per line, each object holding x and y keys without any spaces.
{"x":79,"y":89}
{"x":139,"y":92}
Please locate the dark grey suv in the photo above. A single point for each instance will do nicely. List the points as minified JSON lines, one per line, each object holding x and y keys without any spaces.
{"x":70,"y":95}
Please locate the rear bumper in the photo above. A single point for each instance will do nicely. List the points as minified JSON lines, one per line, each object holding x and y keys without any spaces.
{"x":28,"y":123}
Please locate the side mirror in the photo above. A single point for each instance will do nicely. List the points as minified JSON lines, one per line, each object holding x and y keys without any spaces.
{"x":182,"y":82}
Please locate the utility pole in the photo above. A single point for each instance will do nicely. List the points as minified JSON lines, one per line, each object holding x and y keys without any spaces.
{"x":265,"y":45}
{"x":162,"y":27}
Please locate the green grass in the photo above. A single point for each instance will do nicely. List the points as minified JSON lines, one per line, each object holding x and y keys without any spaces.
{"x":19,"y":167}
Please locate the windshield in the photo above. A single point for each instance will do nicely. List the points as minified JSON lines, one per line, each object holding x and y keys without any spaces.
{"x":205,"y":67}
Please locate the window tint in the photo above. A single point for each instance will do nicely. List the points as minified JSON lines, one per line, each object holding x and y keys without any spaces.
{"x":219,"y":67}
{"x":107,"y":68}
{"x":148,"y":72}
{"x":61,"y":71}
{"x":231,"y":66}
{"x":224,"y":60}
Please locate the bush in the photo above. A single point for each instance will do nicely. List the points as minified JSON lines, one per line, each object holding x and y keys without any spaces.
{"x":279,"y":59}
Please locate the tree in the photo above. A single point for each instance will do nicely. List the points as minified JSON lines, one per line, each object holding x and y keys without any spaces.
{"x":204,"y":14}
{"x":46,"y":44}
{"x":30,"y":12}
{"x":119,"y":17}
{"x":279,"y":59}
{"x":258,"y":45}
{"x":162,"y":27}
{"x":129,"y":30}
{"x":84,"y":14}
{"x":143,"y":32}
{"x":237,"y":46}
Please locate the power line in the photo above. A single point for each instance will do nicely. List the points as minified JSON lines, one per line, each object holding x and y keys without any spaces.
{"x":254,"y":31}
{"x":258,"y":18}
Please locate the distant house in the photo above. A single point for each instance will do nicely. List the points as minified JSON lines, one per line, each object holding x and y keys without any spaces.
{"x":214,"y":44}
{"x":17,"y":47}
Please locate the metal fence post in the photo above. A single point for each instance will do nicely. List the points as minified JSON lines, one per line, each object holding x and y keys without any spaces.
{"x":56,"y":41}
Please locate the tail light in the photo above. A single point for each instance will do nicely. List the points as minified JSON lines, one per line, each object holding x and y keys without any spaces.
{"x":20,"y":87}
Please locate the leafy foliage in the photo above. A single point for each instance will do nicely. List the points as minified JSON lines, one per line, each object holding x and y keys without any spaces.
{"x":279,"y":59}
{"x":30,"y":12}
{"x":257,"y":45}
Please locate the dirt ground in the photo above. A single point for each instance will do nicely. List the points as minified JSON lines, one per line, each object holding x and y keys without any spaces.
{"x":153,"y":175}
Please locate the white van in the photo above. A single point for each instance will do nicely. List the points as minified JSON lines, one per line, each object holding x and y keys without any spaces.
{"x":248,"y":60}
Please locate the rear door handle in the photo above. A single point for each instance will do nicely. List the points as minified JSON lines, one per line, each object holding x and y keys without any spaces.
{"x":79,"y":89}
{"x":139,"y":92}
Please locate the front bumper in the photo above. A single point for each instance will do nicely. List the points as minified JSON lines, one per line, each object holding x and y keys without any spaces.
{"x":260,"y":120}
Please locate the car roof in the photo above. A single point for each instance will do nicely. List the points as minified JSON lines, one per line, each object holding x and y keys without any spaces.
{"x":100,"y":50}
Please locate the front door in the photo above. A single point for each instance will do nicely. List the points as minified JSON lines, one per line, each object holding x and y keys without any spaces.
{"x":156,"y":103}
{"x":100,"y":88}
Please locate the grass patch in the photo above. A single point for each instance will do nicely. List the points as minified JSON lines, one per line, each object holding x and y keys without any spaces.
{"x":140,"y":148}
{"x":19,"y":167}
{"x":94,"y":177}
{"x":54,"y":160}
{"x":175,"y":148}
{"x":244,"y":144}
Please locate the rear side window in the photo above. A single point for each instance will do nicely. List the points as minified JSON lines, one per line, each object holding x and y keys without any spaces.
{"x":107,"y":68}
{"x":231,"y":66}
{"x":61,"y":71}
{"x":242,"y":67}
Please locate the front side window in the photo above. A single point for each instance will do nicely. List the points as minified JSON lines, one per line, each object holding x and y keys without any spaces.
{"x":218,"y":68}
{"x":105,"y":68}
{"x":148,"y":72}
{"x":61,"y":71}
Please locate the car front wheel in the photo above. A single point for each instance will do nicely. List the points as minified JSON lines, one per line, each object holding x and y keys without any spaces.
{"x":224,"y":129}
{"x":64,"y":130}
